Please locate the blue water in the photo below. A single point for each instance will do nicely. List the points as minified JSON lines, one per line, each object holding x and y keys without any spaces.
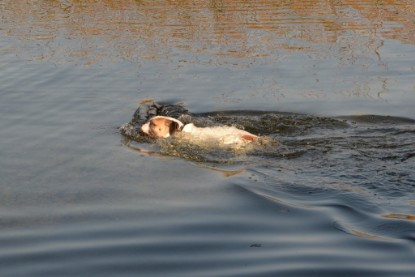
{"x":332,"y":81}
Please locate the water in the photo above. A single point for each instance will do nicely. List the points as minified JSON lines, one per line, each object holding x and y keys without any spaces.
{"x":331,"y":81}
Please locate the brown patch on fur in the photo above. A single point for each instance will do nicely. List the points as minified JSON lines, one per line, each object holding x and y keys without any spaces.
{"x":249,"y":137}
{"x":159,"y":127}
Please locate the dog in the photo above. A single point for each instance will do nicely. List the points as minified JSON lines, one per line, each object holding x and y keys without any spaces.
{"x":164,"y":127}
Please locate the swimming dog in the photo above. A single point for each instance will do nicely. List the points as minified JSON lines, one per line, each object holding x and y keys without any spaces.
{"x":164,"y":127}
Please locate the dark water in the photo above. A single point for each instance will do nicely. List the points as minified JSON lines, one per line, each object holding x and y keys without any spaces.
{"x":332,"y":82}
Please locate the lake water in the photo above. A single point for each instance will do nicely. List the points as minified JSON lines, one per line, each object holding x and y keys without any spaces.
{"x":332,"y":81}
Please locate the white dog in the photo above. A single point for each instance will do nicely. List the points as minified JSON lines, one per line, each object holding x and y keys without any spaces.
{"x":164,"y":127}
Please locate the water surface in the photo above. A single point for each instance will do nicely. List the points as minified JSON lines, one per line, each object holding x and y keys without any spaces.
{"x":332,"y":81}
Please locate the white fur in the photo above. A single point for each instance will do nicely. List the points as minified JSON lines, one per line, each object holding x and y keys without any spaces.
{"x":221,"y":135}
{"x":224,"y":134}
{"x":146,"y":127}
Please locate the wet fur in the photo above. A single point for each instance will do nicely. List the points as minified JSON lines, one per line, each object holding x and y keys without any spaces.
{"x":163,"y":128}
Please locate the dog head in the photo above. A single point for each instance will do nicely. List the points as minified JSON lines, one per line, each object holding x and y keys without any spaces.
{"x":161,"y":126}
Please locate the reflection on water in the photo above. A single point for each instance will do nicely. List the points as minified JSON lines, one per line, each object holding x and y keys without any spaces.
{"x":274,"y":53}
{"x":400,"y":216}
{"x":334,"y":196}
{"x":239,"y":29}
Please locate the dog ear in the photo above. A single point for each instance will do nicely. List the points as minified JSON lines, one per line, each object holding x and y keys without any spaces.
{"x":173,"y":127}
